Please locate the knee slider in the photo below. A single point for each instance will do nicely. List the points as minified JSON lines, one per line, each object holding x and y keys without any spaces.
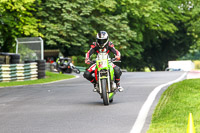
{"x":117,"y":71}
{"x":87,"y":75}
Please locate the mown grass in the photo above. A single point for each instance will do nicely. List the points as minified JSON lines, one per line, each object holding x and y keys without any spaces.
{"x":50,"y":77}
{"x":172,"y":112}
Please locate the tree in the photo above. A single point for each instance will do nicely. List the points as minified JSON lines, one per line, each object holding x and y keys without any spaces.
{"x":163,"y":26}
{"x":16,"y":20}
{"x":194,"y":25}
{"x":147,"y":33}
{"x":65,"y":27}
{"x":76,"y":23}
{"x":171,"y":45}
{"x":149,"y":20}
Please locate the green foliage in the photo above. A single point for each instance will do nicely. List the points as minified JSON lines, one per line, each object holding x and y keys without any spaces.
{"x":163,"y":45}
{"x":26,"y":53}
{"x":192,"y":55}
{"x":194,"y":25}
{"x":147,"y":33}
{"x":66,"y":28}
{"x":16,"y":20}
{"x":76,"y":23}
{"x":79,"y":61}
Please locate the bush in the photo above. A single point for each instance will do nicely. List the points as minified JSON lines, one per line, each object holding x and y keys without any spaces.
{"x":79,"y":61}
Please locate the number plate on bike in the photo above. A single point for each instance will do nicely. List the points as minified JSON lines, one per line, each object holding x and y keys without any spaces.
{"x":102,"y":63}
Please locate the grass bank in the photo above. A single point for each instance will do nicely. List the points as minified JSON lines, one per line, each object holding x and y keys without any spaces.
{"x":50,"y":77}
{"x":172,"y":112}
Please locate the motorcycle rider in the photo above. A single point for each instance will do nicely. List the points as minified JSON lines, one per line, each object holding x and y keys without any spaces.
{"x":102,"y":44}
{"x":63,"y":63}
{"x":60,"y":61}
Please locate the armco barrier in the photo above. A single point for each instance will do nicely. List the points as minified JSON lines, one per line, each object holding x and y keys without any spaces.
{"x":18,"y":72}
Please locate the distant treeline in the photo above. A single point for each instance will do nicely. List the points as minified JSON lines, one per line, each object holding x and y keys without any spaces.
{"x":148,"y":33}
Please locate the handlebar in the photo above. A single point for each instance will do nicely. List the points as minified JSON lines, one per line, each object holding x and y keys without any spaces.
{"x":115,"y":60}
{"x":112,"y":60}
{"x":92,"y":62}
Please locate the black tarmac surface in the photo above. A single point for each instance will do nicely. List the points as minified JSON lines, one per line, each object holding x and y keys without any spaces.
{"x":71,"y":107}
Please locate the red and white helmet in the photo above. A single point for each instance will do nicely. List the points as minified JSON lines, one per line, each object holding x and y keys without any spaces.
{"x":102,"y":39}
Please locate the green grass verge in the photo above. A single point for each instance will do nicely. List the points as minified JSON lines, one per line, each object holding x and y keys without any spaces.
{"x":172,"y":112}
{"x":49,"y":78}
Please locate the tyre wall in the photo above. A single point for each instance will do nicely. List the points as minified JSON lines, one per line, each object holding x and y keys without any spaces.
{"x":9,"y":58}
{"x":18,"y":72}
{"x":41,"y":68}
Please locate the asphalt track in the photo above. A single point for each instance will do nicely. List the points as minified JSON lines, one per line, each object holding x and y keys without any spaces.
{"x":71,"y":106}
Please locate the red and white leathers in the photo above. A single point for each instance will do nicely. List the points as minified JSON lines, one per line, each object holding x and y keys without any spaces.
{"x":96,"y":49}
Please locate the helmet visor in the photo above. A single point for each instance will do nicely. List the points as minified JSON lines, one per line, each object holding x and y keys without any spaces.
{"x":102,"y":41}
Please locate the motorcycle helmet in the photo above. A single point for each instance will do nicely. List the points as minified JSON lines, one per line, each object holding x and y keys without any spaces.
{"x":102,"y":39}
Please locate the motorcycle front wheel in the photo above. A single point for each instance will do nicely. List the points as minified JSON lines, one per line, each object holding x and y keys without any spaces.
{"x":68,"y":70}
{"x":104,"y":87}
{"x":76,"y":70}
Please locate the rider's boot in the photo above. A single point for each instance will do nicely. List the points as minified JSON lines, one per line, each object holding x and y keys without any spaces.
{"x":95,"y":87}
{"x":119,"y":88}
{"x":93,"y":81}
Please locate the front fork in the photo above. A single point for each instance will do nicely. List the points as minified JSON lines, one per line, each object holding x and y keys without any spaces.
{"x":111,"y":94}
{"x":108,"y":81}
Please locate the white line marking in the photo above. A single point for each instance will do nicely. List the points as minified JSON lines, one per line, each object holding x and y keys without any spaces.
{"x":139,"y":123}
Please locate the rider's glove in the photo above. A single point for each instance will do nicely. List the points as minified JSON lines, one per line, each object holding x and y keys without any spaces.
{"x":117,"y":57}
{"x":87,"y":60}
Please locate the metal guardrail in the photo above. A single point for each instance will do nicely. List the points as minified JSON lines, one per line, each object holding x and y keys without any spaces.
{"x":82,"y":69}
{"x":18,"y":72}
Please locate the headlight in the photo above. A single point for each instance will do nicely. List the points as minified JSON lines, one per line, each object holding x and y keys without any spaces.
{"x":102,"y":64}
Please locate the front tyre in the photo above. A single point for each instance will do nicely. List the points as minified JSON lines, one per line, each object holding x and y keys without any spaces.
{"x":105,"y":96}
{"x":111,"y":100}
{"x":68,"y":70}
{"x":76,"y":70}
